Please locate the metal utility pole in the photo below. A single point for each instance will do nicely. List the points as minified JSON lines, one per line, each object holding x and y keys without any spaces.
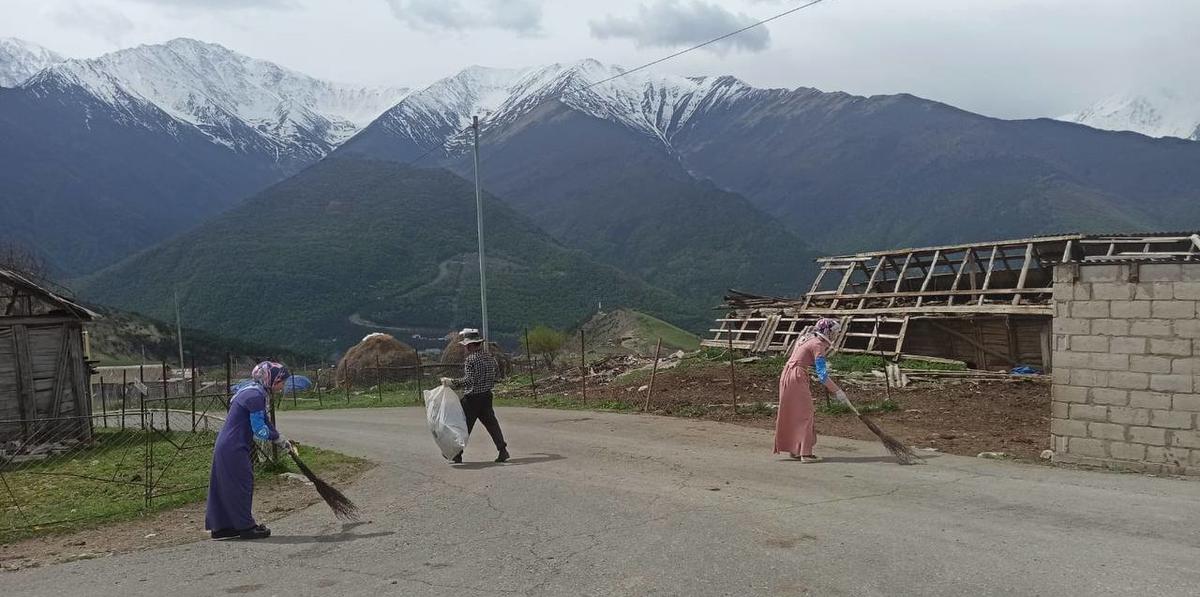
{"x":178,"y":330}
{"x":479,"y":222}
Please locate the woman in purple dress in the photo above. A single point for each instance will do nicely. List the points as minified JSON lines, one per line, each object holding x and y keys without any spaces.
{"x":231,"y":485}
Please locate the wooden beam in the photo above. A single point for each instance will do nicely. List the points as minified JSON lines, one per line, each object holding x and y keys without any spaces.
{"x":952,"y":248}
{"x":900,"y":340}
{"x":1001,"y":309}
{"x":871,"y":282}
{"x":845,"y":280}
{"x":958,"y":276}
{"x":816,"y":284}
{"x":1024,"y":272}
{"x":957,"y":293}
{"x":900,"y":277}
{"x":929,"y":275}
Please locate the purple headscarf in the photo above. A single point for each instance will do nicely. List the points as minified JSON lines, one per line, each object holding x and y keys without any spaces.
{"x":269,"y":373}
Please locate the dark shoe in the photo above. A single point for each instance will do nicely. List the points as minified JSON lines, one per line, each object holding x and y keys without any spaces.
{"x":457,"y":458}
{"x":257,"y":532}
{"x":503,"y":457}
{"x":224,"y":534}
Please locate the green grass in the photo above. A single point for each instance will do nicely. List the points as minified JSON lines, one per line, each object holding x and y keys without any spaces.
{"x":672,"y":336}
{"x":105,"y":482}
{"x":834,"y":407}
{"x":392,"y":395}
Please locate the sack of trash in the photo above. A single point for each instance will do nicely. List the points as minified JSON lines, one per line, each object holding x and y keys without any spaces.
{"x":447,"y":423}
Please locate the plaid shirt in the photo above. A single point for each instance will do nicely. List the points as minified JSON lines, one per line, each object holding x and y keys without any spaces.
{"x":480,"y":369}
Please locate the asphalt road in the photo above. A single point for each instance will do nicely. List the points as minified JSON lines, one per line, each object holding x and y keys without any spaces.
{"x":607,"y":504}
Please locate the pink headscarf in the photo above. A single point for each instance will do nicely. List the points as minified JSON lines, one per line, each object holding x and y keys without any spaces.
{"x":269,"y":373}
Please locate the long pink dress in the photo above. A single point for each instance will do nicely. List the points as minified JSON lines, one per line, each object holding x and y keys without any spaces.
{"x":794,"y":425}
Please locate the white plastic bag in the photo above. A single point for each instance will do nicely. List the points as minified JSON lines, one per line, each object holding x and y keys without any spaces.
{"x":444,"y":411}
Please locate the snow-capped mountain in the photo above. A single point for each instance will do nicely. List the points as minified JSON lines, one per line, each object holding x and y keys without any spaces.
{"x":654,"y":105}
{"x":20,"y":59}
{"x":246,"y":104}
{"x":1163,"y":113}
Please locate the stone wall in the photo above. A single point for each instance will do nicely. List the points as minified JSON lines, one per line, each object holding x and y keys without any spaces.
{"x":1127,"y":366}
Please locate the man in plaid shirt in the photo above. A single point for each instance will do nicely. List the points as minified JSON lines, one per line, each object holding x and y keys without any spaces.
{"x":480,"y":370}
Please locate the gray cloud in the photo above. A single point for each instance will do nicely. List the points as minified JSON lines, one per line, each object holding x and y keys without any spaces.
{"x":222,"y":4}
{"x":521,"y":16}
{"x":670,"y":23}
{"x":96,"y":20}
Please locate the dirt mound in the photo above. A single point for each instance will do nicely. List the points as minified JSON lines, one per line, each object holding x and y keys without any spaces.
{"x":455,"y":353}
{"x":378,"y":358}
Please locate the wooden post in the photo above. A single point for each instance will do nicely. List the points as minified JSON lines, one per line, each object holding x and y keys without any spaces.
{"x":141,"y":394}
{"x":653,"y":374}
{"x":103,"y":402}
{"x":166,"y":403}
{"x":420,"y":372}
{"x":193,"y":393}
{"x":124,"y":396}
{"x":378,"y":381}
{"x":583,"y":364}
{"x":732,"y":376}
{"x":887,"y":382}
{"x":529,"y":356}
{"x":317,"y":383}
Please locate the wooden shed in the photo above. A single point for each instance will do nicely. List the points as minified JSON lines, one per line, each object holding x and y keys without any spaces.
{"x":43,"y":371}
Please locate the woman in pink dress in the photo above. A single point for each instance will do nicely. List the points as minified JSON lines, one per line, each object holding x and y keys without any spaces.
{"x":794,"y":425}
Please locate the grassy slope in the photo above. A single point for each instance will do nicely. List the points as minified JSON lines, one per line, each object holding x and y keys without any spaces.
{"x":395,"y":245}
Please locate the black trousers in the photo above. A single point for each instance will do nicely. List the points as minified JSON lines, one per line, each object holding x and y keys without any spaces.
{"x":479,"y":406}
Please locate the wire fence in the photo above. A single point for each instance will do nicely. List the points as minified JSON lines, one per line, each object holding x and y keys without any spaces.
{"x":146,"y":445}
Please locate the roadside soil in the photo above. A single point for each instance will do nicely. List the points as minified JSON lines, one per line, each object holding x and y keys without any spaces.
{"x":273,"y":500}
{"x":955,"y":417}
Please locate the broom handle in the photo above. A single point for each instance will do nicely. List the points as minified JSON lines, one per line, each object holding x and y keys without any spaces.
{"x":851,"y":405}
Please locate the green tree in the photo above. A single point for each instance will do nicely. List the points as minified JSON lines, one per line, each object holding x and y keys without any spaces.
{"x":546,"y":342}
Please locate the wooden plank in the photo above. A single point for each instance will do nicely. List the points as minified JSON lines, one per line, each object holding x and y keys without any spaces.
{"x":816,"y":284}
{"x":26,"y":392}
{"x":972,"y":341}
{"x":60,"y":373}
{"x":871,"y":282}
{"x":958,"y":276}
{"x":929,"y":276}
{"x":900,"y":277}
{"x":765,"y":334}
{"x":1024,"y":272}
{"x":900,"y":337}
{"x":845,"y":280}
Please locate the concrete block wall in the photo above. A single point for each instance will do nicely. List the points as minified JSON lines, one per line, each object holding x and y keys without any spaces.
{"x":1127,"y":366}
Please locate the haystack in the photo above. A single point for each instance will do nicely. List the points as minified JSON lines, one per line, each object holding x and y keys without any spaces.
{"x":378,"y":358}
{"x":455,"y":354}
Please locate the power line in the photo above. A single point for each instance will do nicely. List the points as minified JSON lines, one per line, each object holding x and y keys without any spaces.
{"x":707,"y":43}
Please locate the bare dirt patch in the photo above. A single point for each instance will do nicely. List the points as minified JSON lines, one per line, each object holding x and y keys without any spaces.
{"x":956,"y":417}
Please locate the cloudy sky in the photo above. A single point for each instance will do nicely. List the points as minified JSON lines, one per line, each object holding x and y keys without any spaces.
{"x":1008,"y":58}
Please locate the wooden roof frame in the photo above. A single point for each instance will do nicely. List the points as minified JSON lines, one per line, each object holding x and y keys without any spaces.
{"x":983,"y":279}
{"x":15,"y":286}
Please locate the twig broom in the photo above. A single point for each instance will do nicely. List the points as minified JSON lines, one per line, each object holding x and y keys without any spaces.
{"x":902,"y":453}
{"x":341,"y":505}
